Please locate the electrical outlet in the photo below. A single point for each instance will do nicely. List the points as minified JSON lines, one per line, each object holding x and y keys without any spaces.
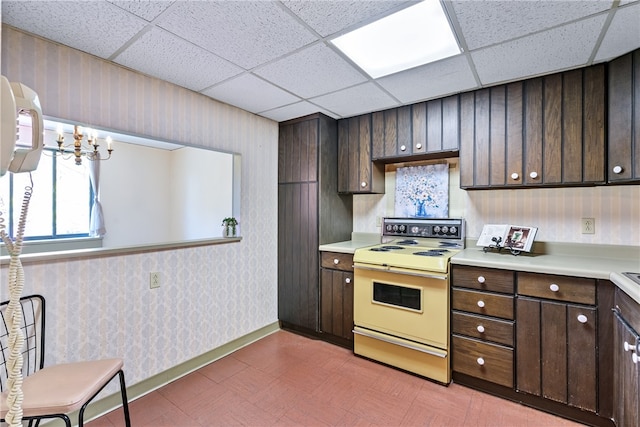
{"x":154,"y":280}
{"x":588,"y":225}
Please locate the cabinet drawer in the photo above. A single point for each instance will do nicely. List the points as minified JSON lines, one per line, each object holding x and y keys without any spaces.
{"x":484,"y":328}
{"x":337,"y":261}
{"x":560,"y":288}
{"x":483,"y":303}
{"x":490,"y":362}
{"x":484,"y":279}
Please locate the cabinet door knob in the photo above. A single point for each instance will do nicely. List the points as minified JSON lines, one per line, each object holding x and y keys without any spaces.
{"x":533,"y":175}
{"x":363,"y":184}
{"x":554,"y":287}
{"x":336,"y":261}
{"x":418,"y":146}
{"x":582,"y":318}
{"x":480,"y":361}
{"x":480,"y":329}
{"x":403,"y":147}
{"x":480,"y":303}
{"x":347,"y":280}
{"x":515,"y":176}
{"x":481,"y":279}
{"x":617,"y":169}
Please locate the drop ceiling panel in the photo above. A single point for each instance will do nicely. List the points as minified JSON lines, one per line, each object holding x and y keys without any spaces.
{"x":98,"y":28}
{"x":484,"y":25}
{"x":160,"y":54}
{"x":251,"y":93}
{"x":247,"y":33}
{"x":330,"y":17}
{"x":561,"y":48}
{"x":356,"y":100}
{"x":429,"y":81}
{"x":293,"y":111}
{"x":312,"y":71}
{"x":148,"y":10}
{"x":623,"y":34}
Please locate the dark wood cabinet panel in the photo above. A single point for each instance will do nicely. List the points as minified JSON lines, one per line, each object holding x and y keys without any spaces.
{"x":357,"y":172}
{"x":546,"y":131}
{"x":557,"y":352}
{"x":310,"y":213}
{"x":627,"y":390}
{"x":337,"y":303}
{"x":624,"y":119}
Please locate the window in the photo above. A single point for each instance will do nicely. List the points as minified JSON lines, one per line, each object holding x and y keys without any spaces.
{"x":61,"y":202}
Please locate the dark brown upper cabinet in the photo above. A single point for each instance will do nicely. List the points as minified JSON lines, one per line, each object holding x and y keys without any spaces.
{"x":547,"y":131}
{"x":419,"y":131}
{"x":356,"y":171}
{"x":624,"y":119}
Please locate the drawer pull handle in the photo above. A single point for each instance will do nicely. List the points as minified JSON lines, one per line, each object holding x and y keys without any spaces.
{"x":582,"y":318}
{"x":554,"y":287}
{"x":480,"y":361}
{"x":336,"y":261}
{"x":481,"y":304}
{"x":481,"y":279}
{"x":617,"y":169}
{"x":347,"y":280}
{"x":629,"y":347}
{"x":480,"y":329}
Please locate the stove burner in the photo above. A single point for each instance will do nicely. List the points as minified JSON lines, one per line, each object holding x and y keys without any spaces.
{"x":380,"y":250}
{"x":392,"y":247}
{"x":448,"y":244}
{"x":387,"y":248}
{"x":407,"y":242}
{"x":433,"y":252}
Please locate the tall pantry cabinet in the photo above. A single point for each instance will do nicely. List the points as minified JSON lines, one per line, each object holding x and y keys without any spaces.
{"x":310,"y":213}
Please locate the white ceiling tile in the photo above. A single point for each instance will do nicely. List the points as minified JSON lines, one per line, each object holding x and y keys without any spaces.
{"x":429,"y":81}
{"x":356,"y":100}
{"x":98,"y":28}
{"x":146,"y":9}
{"x":486,"y":22}
{"x":561,"y":48}
{"x":293,"y":111}
{"x":251,"y":93}
{"x":329,"y":17}
{"x":312,"y":71}
{"x":623,"y":34}
{"x":247,"y":33}
{"x":162,"y":55}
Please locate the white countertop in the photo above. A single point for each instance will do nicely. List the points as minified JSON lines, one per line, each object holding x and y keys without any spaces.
{"x":358,"y":240}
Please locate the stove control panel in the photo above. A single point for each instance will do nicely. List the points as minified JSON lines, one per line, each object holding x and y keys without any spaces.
{"x":449,"y":228}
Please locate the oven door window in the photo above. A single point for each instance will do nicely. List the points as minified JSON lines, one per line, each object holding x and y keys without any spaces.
{"x":399,"y":296}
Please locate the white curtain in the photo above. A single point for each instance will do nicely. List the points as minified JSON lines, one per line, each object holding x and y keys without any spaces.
{"x":96,"y":221}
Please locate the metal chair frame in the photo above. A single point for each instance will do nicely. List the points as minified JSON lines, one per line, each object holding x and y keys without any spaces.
{"x":33,"y":356}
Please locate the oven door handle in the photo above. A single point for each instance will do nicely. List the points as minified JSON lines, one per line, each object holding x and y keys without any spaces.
{"x":400,"y":271}
{"x":400,"y":342}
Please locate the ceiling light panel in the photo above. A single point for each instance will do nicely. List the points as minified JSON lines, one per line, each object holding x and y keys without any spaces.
{"x":414,"y":36}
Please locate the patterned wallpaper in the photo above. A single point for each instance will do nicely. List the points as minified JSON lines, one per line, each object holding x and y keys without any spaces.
{"x":102,"y":306}
{"x":555,"y":211}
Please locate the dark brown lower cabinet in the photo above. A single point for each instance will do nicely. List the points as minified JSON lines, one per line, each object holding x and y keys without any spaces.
{"x":336,"y":298}
{"x":557,"y":352}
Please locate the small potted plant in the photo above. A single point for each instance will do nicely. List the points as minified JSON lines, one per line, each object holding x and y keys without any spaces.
{"x":229,"y":224}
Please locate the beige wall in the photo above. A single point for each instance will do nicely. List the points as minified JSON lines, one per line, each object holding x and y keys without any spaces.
{"x":208,"y":295}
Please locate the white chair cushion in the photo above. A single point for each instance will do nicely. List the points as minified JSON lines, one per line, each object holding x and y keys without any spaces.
{"x":61,"y":389}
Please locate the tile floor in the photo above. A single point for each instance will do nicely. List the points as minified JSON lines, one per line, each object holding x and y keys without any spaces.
{"x":288,"y":380}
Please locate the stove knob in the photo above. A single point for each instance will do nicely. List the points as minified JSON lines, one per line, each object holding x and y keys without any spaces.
{"x":436,"y":229}
{"x":445,"y":229}
{"x":395,"y":227}
{"x":415,"y":229}
{"x":403,"y":228}
{"x":389,"y":227}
